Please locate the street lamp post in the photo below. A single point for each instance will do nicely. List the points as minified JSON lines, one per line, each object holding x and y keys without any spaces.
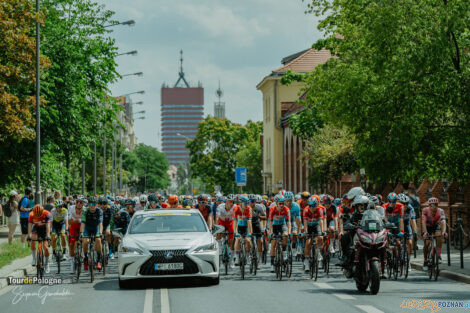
{"x":129,"y":23}
{"x":140,"y":74}
{"x":133,"y":52}
{"x":139,"y":103}
{"x":133,"y":93}
{"x":38,"y":112}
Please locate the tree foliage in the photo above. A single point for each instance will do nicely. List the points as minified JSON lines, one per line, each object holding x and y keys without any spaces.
{"x":213,"y":151}
{"x":250,"y":157}
{"x":400,"y":84}
{"x":148,"y":168}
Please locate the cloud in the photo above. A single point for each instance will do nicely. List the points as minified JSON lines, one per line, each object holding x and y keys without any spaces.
{"x":222,"y":22}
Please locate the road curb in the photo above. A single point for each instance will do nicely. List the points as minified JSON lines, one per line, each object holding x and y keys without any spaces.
{"x":21,"y":271}
{"x":444,"y":273}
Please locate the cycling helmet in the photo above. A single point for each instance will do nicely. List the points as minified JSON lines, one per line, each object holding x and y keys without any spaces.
{"x":297,"y":197}
{"x":136,"y":199}
{"x":312,"y":201}
{"x":172,"y":199}
{"x":259,"y":199}
{"x":231,"y":197}
{"x":201,"y":198}
{"x":143,"y":198}
{"x":85,"y":202}
{"x":375,"y":200}
{"x":282,"y":192}
{"x":93,"y":200}
{"x":102,"y":200}
{"x":371,"y":205}
{"x":38,"y":210}
{"x":354,"y":192}
{"x":152,"y":198}
{"x":187,"y":203}
{"x":402,"y":198}
{"x":305,"y":195}
{"x":279,"y":198}
{"x":220,"y":198}
{"x":129,"y":201}
{"x":326,"y":199}
{"x":360,"y":200}
{"x":392,"y":197}
{"x":59,"y":203}
{"x":289,"y":195}
{"x":379,"y":196}
{"x":252,"y":197}
{"x":244,"y":198}
{"x":337,"y":201}
{"x":433,"y":200}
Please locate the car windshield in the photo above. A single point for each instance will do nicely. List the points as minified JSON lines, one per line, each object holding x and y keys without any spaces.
{"x":167,"y":222}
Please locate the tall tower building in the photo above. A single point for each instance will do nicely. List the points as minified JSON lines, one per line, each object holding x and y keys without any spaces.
{"x":219,"y":106}
{"x":182,"y":109}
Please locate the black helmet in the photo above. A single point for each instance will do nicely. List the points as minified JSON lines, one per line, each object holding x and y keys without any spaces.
{"x":92,"y":200}
{"x":152,"y":198}
{"x":102,"y":200}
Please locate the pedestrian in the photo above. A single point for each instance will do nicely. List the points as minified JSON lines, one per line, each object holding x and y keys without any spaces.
{"x":13,"y":216}
{"x":57,"y":195}
{"x":25,"y":208}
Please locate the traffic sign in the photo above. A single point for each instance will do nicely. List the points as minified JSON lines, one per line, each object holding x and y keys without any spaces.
{"x":240,"y":176}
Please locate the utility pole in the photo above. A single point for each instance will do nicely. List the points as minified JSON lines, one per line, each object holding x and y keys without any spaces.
{"x":120,"y":162}
{"x":38,"y":112}
{"x":112,"y":167}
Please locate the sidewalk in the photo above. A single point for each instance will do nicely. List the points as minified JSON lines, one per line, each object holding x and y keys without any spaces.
{"x":4,"y":233}
{"x":453,"y":271}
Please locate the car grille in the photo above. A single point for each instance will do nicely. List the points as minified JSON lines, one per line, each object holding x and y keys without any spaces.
{"x":158,"y":256}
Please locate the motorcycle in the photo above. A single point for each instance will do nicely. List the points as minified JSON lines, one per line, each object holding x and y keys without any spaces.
{"x":370,"y":242}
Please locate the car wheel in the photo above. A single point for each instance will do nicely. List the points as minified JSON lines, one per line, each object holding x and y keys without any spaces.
{"x":214,"y":281}
{"x":125,"y":284}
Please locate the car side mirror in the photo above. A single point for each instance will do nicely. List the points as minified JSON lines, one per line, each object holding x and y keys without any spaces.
{"x":217,"y":229}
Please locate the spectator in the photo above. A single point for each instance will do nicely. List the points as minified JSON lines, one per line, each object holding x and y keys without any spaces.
{"x":57,"y":195}
{"x":14,"y":219}
{"x":25,"y":208}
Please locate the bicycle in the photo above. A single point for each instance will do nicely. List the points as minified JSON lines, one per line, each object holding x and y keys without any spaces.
{"x":278,"y":257}
{"x":415,"y":244}
{"x":39,"y":257}
{"x":288,"y":261}
{"x":404,"y":257}
{"x":326,"y":254}
{"x":392,"y":258}
{"x":91,"y":256}
{"x":264,"y":254}
{"x":242,"y":256}
{"x":313,"y":262}
{"x":254,"y":254}
{"x":433,"y":259}
{"x":58,"y":251}
{"x":78,"y":258}
{"x":225,"y":252}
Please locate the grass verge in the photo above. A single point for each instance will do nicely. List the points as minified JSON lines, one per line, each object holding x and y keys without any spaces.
{"x":9,"y":253}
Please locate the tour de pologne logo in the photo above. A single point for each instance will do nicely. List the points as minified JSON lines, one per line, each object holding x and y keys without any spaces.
{"x":434,"y":306}
{"x":45,"y":292}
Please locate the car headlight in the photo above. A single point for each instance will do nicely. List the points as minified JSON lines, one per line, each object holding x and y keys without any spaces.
{"x":206,"y":248}
{"x":131,"y":250}
{"x":366,"y":239}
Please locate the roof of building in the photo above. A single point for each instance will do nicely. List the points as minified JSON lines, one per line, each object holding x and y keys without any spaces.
{"x":304,"y":61}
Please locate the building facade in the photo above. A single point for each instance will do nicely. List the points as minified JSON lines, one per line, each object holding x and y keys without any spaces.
{"x":126,"y":135}
{"x":279,"y":142}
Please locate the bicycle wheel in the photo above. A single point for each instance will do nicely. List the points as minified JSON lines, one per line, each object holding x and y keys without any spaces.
{"x":91,"y":264}
{"x":436,"y":264}
{"x":242,"y":261}
{"x":407,"y":263}
{"x":279,"y":261}
{"x":254,"y":259}
{"x":226,"y":258}
{"x":78,"y":260}
{"x":326,"y":262}
{"x":39,"y":263}
{"x":389,"y":264}
{"x":396,"y":261}
{"x":58,"y":255}
{"x":289,"y":262}
{"x":316,"y":264}
{"x":401,"y":260}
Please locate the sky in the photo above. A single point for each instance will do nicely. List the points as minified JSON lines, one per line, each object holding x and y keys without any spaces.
{"x":237,"y":42}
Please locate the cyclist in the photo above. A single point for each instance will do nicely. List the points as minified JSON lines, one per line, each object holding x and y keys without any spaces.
{"x":107,"y":216}
{"x":224,"y":217}
{"x":130,"y":206}
{"x":152,"y":202}
{"x":331,"y":218}
{"x":74,"y":222}
{"x":92,"y":224}
{"x":279,"y":224}
{"x":161,"y":201}
{"x":187,"y":202}
{"x":303,"y":202}
{"x":313,"y":225}
{"x":434,"y":223}
{"x":258,"y":222}
{"x":409,"y":220}
{"x":295,"y":218}
{"x":142,"y":203}
{"x":39,"y":226}
{"x":394,"y":213}
{"x":25,"y":209}
{"x":174,"y":202}
{"x":59,"y":225}
{"x":242,"y":216}
{"x":205,"y":209}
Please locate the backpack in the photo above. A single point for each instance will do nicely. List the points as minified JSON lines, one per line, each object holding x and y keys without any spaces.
{"x":7,"y":209}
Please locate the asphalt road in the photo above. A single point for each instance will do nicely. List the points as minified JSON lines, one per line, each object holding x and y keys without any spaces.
{"x":257,"y":294}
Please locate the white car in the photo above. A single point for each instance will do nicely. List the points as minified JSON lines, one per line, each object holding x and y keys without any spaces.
{"x":168,"y":243}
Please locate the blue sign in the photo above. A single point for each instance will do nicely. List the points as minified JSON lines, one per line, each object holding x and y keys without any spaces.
{"x":240,"y":176}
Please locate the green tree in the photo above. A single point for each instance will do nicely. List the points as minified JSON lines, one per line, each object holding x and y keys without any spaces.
{"x":399,"y":83}
{"x":213,"y":151}
{"x":148,"y":166}
{"x":250,"y":157}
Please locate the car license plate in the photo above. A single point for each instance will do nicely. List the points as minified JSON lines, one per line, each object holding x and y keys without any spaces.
{"x":168,"y":266}
{"x":372,"y":226}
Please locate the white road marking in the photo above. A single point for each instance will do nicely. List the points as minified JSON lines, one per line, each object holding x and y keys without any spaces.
{"x":344,"y":296}
{"x":369,"y":309}
{"x":324,"y":286}
{"x":148,"y":302}
{"x":165,"y":300}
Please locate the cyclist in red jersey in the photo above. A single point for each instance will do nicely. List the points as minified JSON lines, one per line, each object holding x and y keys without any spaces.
{"x":39,"y":226}
{"x":331,"y":217}
{"x":303,"y":202}
{"x":313,"y":225}
{"x":434,"y":223}
{"x":394,"y":212}
{"x":242,"y":225}
{"x":279,"y":224}
{"x":173,"y":203}
{"x":205,"y":209}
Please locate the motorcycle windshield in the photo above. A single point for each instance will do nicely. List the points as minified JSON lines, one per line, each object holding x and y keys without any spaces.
{"x":372,"y":221}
